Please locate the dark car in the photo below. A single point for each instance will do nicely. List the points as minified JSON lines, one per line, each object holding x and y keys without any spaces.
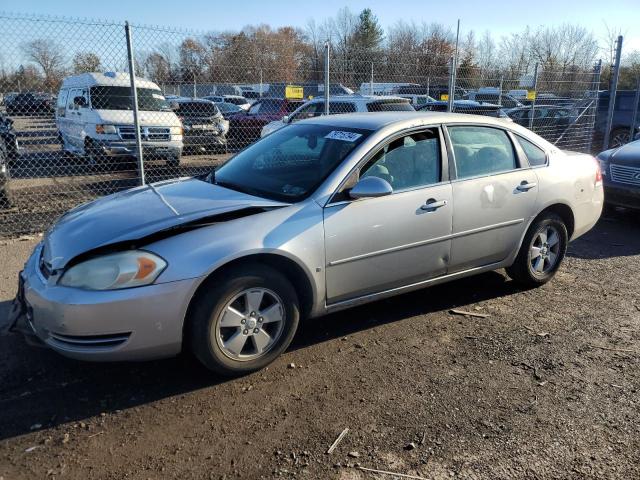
{"x":29,"y":103}
{"x":9,"y":138}
{"x":203,"y":126}
{"x":549,"y":121}
{"x":622,"y":117}
{"x":228,"y":109}
{"x":245,"y":128}
{"x":621,"y":175}
{"x":550,"y":99}
{"x":504,"y":100}
{"x":5,"y":194}
{"x":435,"y":91}
{"x":466,"y":106}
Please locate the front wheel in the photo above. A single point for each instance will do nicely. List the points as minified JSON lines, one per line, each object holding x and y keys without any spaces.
{"x":541,"y":253}
{"x":619,"y":137}
{"x":244,"y":320}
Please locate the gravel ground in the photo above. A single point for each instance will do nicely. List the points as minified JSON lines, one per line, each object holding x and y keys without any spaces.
{"x":546,"y":386}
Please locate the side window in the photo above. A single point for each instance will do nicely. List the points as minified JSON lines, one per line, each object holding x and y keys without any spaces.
{"x":481,"y":151}
{"x":255,"y":108}
{"x":61,"y":106}
{"x":535,"y":155}
{"x":308,"y":111}
{"x":72,"y":94}
{"x":340,"y":107}
{"x":407,"y":162}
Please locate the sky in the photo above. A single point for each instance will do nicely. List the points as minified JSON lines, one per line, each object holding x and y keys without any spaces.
{"x":500,"y":17}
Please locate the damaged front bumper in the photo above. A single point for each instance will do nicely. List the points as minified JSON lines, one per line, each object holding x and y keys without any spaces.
{"x":140,"y":323}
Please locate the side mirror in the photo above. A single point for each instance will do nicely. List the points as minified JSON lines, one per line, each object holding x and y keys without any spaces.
{"x":371,"y":187}
{"x":80,"y":101}
{"x":286,"y":119}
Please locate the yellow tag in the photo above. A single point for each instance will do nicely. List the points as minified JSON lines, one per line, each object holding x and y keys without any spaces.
{"x":293,"y":92}
{"x":444,"y":97}
{"x":531,"y":94}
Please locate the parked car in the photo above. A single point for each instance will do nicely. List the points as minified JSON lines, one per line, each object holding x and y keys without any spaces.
{"x":228,"y":109}
{"x":203,"y":126}
{"x":309,"y":89}
{"x":416,"y":99}
{"x":435,"y":91}
{"x":245,"y":127}
{"x":9,"y":138}
{"x":94,"y":116}
{"x":622,"y":117}
{"x":621,"y":172}
{"x":469,"y":107}
{"x":549,"y":121}
{"x":326,"y":214}
{"x":550,"y":99}
{"x":30,"y":103}
{"x":341,"y":104}
{"x":6,"y":200}
{"x":237,"y":100}
{"x":504,"y":100}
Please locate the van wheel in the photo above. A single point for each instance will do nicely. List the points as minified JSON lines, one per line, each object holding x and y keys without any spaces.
{"x":541,"y":253}
{"x":243,"y":321}
{"x":619,"y":137}
{"x":94,"y":154}
{"x":174,"y":161}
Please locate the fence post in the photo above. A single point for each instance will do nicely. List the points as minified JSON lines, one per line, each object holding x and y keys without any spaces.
{"x":595,"y":88}
{"x":371,"y":81}
{"x":260,"y":94}
{"x":326,"y":77}
{"x":612,"y":93}
{"x":451,"y":86}
{"x":134,"y":99}
{"x":500,"y":92}
{"x":634,"y":118}
{"x":535,"y":93}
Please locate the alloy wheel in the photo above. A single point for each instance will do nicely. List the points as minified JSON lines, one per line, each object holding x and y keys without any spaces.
{"x":544,"y":252}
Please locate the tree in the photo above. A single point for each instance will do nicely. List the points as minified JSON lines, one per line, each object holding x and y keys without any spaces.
{"x":368,"y":33}
{"x":49,"y":57}
{"x":86,"y":62}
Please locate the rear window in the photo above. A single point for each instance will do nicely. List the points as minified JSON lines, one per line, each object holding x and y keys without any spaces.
{"x":237,"y":101}
{"x":535,"y":155}
{"x":197,"y":109}
{"x":341,"y":107}
{"x":390,"y":106}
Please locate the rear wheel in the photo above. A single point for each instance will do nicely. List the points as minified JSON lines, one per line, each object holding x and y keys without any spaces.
{"x":174,"y":161}
{"x":541,"y":253}
{"x":243,"y":321}
{"x":94,"y":154}
{"x":619,"y":137}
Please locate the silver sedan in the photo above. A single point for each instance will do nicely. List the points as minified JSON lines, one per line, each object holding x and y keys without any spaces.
{"x":322,"y":215}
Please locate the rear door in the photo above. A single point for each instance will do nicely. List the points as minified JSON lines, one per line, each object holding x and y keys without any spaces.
{"x":494,"y":195}
{"x":73,"y":119}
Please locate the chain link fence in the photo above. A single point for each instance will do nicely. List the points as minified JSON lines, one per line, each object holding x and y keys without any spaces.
{"x":77,"y":126}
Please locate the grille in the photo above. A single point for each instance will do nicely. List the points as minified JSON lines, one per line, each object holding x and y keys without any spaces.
{"x":624,"y":174}
{"x":89,"y":342}
{"x":147,"y":134}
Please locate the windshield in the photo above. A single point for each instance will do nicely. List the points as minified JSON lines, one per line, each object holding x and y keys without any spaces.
{"x":119,"y":98}
{"x":197,"y":109}
{"x":289,"y":164}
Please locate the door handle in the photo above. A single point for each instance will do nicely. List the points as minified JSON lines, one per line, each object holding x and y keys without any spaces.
{"x":433,"y":204}
{"x":526,"y":186}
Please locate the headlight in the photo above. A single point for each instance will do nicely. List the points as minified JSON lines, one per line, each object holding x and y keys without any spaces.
{"x":176,"y":130}
{"x":115,"y":271}
{"x":604,"y":165}
{"x":106,"y":129}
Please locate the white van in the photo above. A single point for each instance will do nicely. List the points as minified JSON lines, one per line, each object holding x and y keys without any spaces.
{"x":94,"y":117}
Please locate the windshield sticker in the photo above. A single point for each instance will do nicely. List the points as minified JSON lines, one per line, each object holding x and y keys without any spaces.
{"x":157,"y":96}
{"x":344,"y":136}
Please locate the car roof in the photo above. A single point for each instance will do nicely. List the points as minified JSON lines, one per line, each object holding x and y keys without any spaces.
{"x":192,"y":100}
{"x":107,"y":79}
{"x":378,"y":120}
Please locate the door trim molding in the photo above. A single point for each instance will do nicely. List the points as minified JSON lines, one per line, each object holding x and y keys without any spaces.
{"x":344,"y":304}
{"x":425,"y":242}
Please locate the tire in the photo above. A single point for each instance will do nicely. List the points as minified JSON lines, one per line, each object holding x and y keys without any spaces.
{"x":174,"y":161}
{"x":223,"y":331}
{"x":94,"y":155}
{"x":619,"y":137}
{"x":524,"y":269}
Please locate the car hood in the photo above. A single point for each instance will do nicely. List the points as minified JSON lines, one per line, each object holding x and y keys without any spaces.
{"x":628,"y":154}
{"x":140,"y":212}
{"x":125,"y":117}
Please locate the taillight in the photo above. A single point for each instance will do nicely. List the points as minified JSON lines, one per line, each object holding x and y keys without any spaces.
{"x":598,"y":173}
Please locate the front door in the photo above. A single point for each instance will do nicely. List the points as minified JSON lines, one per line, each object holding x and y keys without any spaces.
{"x":494,"y":196}
{"x":376,"y":244}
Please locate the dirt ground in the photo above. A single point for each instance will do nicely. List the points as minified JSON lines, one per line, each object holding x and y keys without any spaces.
{"x":545,"y":387}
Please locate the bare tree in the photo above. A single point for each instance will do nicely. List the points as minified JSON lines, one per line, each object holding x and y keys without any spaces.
{"x":86,"y":62}
{"x":49,"y":57}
